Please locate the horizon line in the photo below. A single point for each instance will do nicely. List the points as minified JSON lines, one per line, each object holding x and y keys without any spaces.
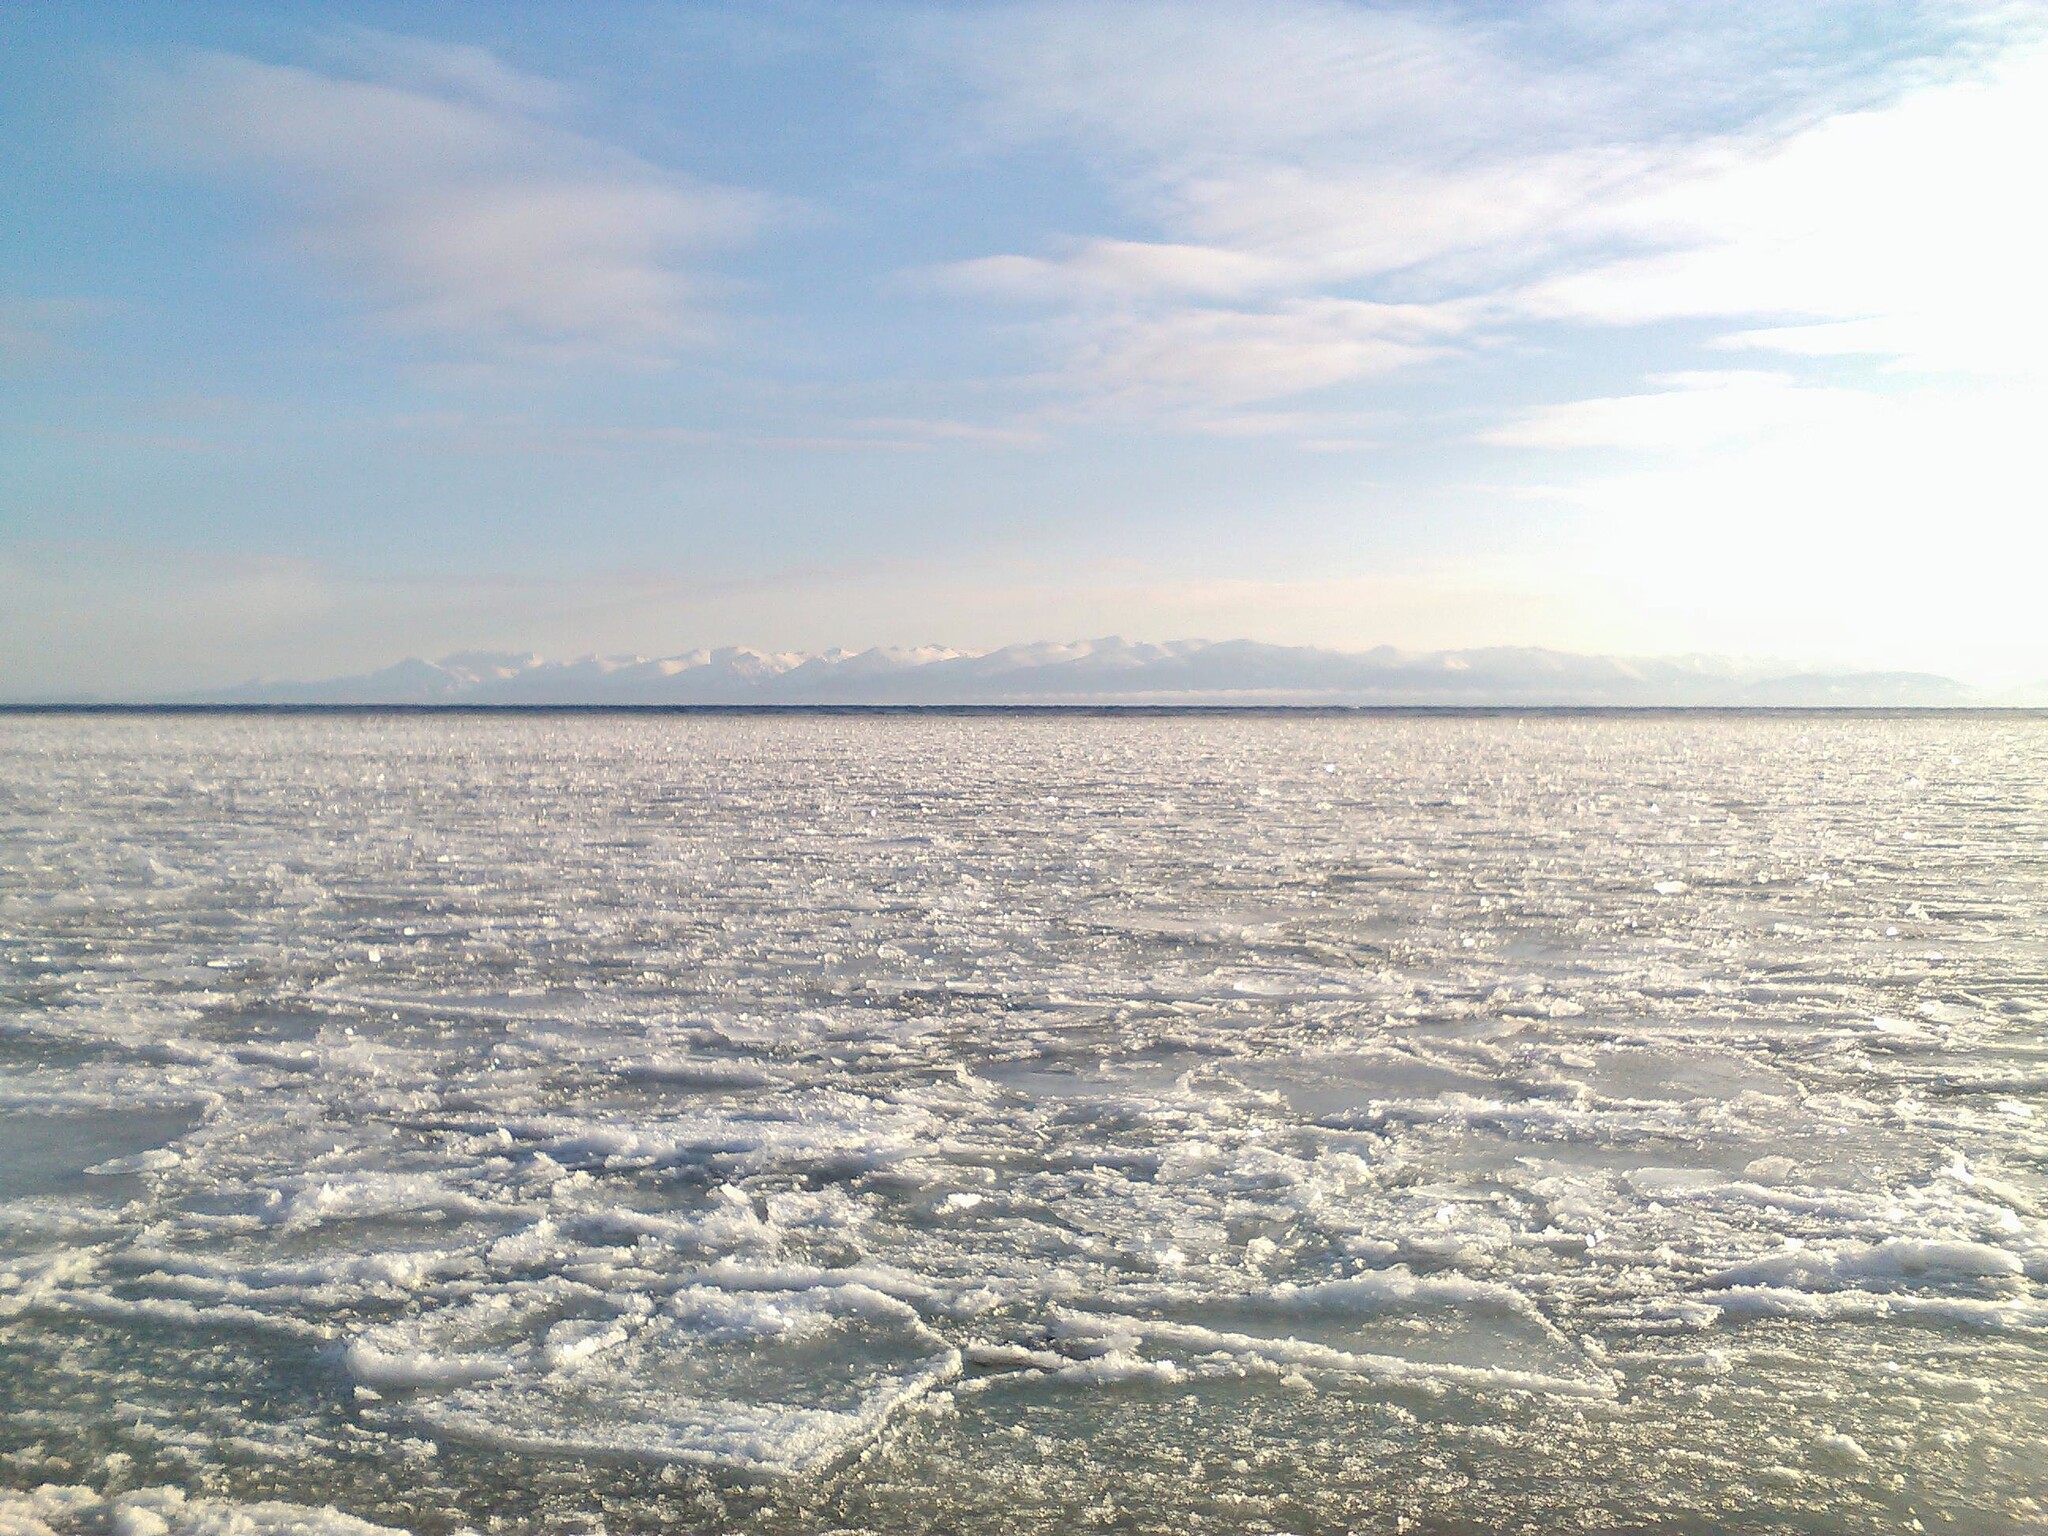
{"x":1048,"y":708}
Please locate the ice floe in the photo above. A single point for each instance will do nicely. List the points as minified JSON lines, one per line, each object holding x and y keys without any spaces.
{"x":808,"y":1110}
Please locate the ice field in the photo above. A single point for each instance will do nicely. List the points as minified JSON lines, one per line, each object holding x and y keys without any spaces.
{"x":1023,"y":1123}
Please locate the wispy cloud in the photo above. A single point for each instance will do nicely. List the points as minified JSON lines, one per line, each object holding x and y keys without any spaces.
{"x":1691,"y":412}
{"x":1906,"y":230}
{"x":1187,"y":359}
{"x":435,"y":185}
{"x":1285,"y":169}
{"x":1110,"y":270}
{"x":1280,"y":155}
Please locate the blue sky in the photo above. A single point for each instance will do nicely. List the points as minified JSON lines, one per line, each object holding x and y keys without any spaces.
{"x":330,"y":334}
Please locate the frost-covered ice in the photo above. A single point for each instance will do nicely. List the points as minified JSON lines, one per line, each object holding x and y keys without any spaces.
{"x":1023,"y":1123}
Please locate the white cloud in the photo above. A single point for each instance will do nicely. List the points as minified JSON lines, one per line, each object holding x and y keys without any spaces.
{"x":448,"y":202}
{"x":1280,"y":152}
{"x":1113,"y":270}
{"x":1899,"y":513}
{"x":1913,"y":230}
{"x":1154,"y":88}
{"x":1261,"y":228}
{"x":1696,"y":411}
{"x":1345,"y":222}
{"x":1821,"y":208}
{"x":445,"y":69}
{"x":1609,"y":165}
{"x":1185,"y":359}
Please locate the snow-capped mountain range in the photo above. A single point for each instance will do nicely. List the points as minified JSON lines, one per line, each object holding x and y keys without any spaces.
{"x":1108,"y":671}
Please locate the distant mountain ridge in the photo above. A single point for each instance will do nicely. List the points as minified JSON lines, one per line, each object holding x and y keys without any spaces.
{"x":1108,"y":671}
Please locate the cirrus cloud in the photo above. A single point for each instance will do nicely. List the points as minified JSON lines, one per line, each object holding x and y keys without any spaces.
{"x":1604,"y":167}
{"x":433,"y":185}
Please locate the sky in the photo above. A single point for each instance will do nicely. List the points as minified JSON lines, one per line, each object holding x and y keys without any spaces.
{"x":331,"y":334}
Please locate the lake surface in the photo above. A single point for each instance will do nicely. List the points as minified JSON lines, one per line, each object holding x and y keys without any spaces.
{"x":1035,"y":1123}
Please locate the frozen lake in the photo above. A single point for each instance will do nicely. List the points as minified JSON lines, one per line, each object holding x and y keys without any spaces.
{"x":1023,"y":1123}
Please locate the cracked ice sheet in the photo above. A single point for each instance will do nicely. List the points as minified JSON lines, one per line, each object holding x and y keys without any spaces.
{"x":817,"y":1099}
